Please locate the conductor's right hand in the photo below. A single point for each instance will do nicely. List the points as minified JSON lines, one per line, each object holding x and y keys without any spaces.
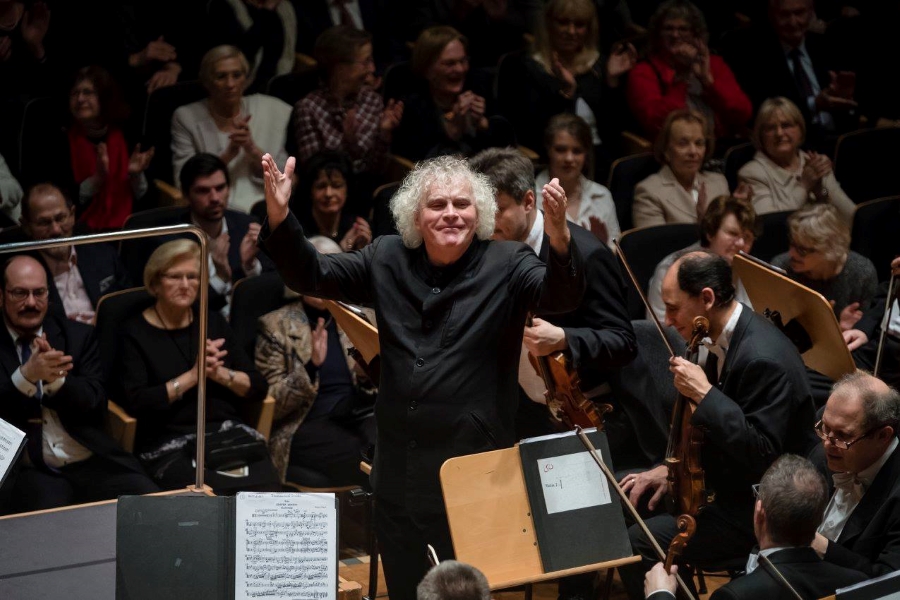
{"x":278,"y":188}
{"x":638,"y":484}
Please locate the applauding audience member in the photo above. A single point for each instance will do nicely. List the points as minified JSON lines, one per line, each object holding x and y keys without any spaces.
{"x":681,"y":73}
{"x":783,"y":176}
{"x":681,"y":190}
{"x":230,"y":125}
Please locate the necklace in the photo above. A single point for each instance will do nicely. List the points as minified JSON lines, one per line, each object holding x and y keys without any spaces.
{"x":185,"y":355}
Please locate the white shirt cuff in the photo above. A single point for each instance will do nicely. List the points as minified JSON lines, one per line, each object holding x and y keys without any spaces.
{"x":255,"y":270}
{"x":661,"y":590}
{"x":52,"y":388}
{"x":22,"y":384}
{"x":221,"y":286}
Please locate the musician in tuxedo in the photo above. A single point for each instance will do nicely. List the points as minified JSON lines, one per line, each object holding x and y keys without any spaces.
{"x":751,"y":401}
{"x":861,"y":527}
{"x":81,"y":275}
{"x":597,"y":337}
{"x":790,"y":503}
{"x":451,"y":311}
{"x":50,"y":383}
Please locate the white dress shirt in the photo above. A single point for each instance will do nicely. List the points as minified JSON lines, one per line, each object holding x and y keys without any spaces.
{"x":720,"y":346}
{"x":75,"y":299}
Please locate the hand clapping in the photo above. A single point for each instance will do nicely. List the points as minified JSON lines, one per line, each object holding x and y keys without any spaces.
{"x":555,"y":226}
{"x":278,"y":188}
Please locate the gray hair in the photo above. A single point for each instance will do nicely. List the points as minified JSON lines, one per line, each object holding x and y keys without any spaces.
{"x":793,"y":495}
{"x":452,"y":580}
{"x":820,"y":226}
{"x":442,"y":171}
{"x":879,"y":407}
{"x":507,"y":169}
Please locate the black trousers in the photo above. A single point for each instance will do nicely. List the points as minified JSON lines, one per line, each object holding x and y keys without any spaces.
{"x":718,"y":540}
{"x":97,"y":478}
{"x":403,"y":536}
{"x":333,"y":445}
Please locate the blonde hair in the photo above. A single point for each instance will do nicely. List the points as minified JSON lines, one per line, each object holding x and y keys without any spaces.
{"x":579,"y":10}
{"x":769,"y":110}
{"x":820,"y":226}
{"x":208,"y":63}
{"x":665,"y":134}
{"x":164,"y":257}
{"x":441,"y":172}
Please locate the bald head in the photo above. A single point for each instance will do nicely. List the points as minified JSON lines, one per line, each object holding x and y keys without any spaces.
{"x":24,"y":294}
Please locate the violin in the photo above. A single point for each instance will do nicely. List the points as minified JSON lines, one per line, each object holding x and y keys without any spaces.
{"x":564,"y":391}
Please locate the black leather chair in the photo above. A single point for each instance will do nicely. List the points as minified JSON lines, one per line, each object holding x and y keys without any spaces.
{"x":865,"y":163}
{"x":253,"y":297}
{"x":624,"y":174}
{"x":134,"y":253}
{"x":157,"y":128}
{"x":735,"y":158}
{"x":292,"y":87}
{"x":644,"y":248}
{"x":112,"y":310}
{"x":874,"y":234}
{"x":774,"y":238}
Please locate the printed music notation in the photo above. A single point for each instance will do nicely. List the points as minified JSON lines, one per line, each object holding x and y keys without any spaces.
{"x":286,"y":546}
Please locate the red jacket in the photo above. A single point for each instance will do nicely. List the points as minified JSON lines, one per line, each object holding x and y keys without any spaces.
{"x":653,"y":93}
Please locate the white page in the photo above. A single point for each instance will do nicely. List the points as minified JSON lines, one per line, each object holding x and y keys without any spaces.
{"x":11,"y":439}
{"x":572,"y":481}
{"x":285,"y":546}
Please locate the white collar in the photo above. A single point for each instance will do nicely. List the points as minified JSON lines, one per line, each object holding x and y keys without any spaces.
{"x":535,"y":237}
{"x":720,"y":346}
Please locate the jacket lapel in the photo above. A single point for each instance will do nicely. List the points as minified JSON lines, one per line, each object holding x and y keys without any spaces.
{"x":739,"y":330}
{"x":872,"y":500}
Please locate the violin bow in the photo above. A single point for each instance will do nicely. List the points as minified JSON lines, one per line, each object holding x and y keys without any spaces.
{"x":777,"y":576}
{"x":888,"y":309}
{"x":640,"y":292}
{"x":634,"y":513}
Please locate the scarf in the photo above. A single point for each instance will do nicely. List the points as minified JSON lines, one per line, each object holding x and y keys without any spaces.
{"x":113,"y":202}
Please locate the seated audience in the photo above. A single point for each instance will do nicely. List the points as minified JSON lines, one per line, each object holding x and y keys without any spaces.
{"x":446,"y":116}
{"x":324,"y":420}
{"x":452,"y":580}
{"x":264,"y":30}
{"x":52,"y":390}
{"x":859,"y":441}
{"x":345,"y":113}
{"x":864,"y":339}
{"x":785,"y":57}
{"x":681,"y":190}
{"x":230,"y":125}
{"x":82,"y":274}
{"x":92,"y":162}
{"x":783,"y":176}
{"x":10,"y":196}
{"x":158,"y":367}
{"x":569,"y":149}
{"x":820,"y":258}
{"x":681,"y":73}
{"x":320,"y":202}
{"x":564,"y":72}
{"x":790,"y":502}
{"x":727,"y":227}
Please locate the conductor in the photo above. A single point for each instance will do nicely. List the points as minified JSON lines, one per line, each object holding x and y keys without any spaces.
{"x":451,"y":308}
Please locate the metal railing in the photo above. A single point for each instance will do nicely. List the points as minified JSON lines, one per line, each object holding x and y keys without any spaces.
{"x":204,"y":299}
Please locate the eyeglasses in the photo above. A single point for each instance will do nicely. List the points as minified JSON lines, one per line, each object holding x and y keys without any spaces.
{"x":755,"y":488}
{"x":839,"y":443}
{"x":178,"y":277}
{"x":21,"y":294}
{"x":802,"y":250}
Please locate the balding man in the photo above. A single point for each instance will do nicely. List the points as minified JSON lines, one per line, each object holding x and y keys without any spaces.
{"x":51,"y":388}
{"x":861,"y":528}
{"x":752,"y":403}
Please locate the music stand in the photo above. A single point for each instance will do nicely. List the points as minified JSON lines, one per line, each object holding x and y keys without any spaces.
{"x":490,"y":520}
{"x":770,"y":290}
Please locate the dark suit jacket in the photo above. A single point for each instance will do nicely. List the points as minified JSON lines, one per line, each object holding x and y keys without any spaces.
{"x":314,"y":17}
{"x":80,"y":402}
{"x":805,"y":571}
{"x":760,"y":408}
{"x":870,"y":541}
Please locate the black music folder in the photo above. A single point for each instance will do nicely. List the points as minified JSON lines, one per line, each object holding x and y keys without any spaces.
{"x":254,"y":545}
{"x":577,"y":515}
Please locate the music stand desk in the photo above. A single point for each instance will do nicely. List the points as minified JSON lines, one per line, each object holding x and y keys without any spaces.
{"x":490,"y":520}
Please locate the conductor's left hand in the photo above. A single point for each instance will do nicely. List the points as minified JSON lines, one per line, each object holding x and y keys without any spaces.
{"x":555,"y":216}
{"x":278,"y":188}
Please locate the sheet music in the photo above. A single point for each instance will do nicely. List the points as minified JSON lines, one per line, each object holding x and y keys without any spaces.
{"x":11,"y":441}
{"x":285,"y":546}
{"x":572,"y":481}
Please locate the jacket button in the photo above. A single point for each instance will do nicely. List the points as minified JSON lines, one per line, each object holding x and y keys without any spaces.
{"x":420,"y":362}
{"x":435,"y":290}
{"x":413,"y":405}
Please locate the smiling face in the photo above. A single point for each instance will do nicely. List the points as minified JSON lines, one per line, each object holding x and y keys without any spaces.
{"x":84,"y":102}
{"x":353,"y":74}
{"x":730,"y":238}
{"x":686,"y":149}
{"x":447,"y":76}
{"x":567,"y":33}
{"x":781,"y":138}
{"x":329,"y":192}
{"x":566,"y":156}
{"x":446,"y":220}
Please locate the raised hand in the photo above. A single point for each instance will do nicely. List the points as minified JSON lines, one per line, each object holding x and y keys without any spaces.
{"x":700,"y":65}
{"x":249,"y":249}
{"x":555,"y":226}
{"x":159,"y":50}
{"x":622,"y":58}
{"x":390,"y":118}
{"x":569,"y":85}
{"x":358,"y":236}
{"x":278,"y":188}
{"x":45,"y":363}
{"x":690,"y":380}
{"x":218,"y":251}
{"x":319,"y":343}
{"x":702,"y":201}
{"x":34,"y":27}
{"x":139,"y":161}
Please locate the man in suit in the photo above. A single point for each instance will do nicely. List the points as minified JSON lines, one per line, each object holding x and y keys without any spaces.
{"x":315,"y":16}
{"x":51,"y":387}
{"x":788,"y":60}
{"x":752,"y":404}
{"x":597,"y":338}
{"x":861,"y":528}
{"x":789,"y":507}
{"x":80,"y":275}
